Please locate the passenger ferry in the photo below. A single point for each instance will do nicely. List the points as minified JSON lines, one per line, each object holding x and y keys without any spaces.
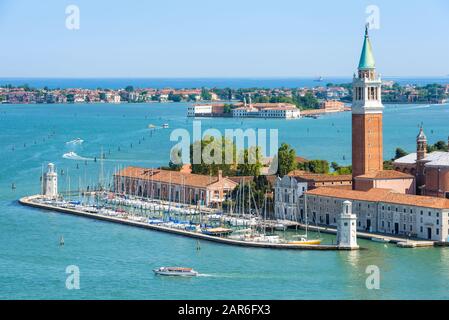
{"x":175,"y":271}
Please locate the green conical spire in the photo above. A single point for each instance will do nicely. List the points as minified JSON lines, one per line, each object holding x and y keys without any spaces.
{"x":367,"y":57}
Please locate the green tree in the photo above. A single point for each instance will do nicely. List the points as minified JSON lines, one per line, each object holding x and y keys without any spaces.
{"x":309,"y":101}
{"x":70,"y":97}
{"x":251,"y":165}
{"x":210,"y":161}
{"x":316,"y":166}
{"x":227,"y":108}
{"x":286,"y":159}
{"x":174,"y":97}
{"x":438,"y":146}
{"x":340,"y":170}
{"x":205,"y":94}
{"x":400,"y":153}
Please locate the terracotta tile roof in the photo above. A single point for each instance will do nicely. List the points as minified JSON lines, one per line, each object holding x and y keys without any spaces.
{"x":167,"y":176}
{"x":300,"y":159}
{"x":382,"y":195}
{"x":315,"y":177}
{"x":386,"y":174}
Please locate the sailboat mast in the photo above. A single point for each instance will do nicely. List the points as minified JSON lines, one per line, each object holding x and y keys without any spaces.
{"x":306,"y":213}
{"x":42,"y":180}
{"x":101,"y":170}
{"x":243,"y":196}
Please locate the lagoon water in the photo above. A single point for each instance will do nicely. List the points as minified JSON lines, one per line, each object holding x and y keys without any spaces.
{"x":115,"y":261}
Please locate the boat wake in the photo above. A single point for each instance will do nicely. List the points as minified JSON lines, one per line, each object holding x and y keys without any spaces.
{"x":420,"y":107}
{"x":77,"y":141}
{"x":74,"y":156}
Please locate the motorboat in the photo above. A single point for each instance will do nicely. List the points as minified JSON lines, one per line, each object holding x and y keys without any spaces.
{"x":70,"y":155}
{"x":382,"y":240}
{"x":214,"y":217}
{"x":155,"y":221}
{"x":280,"y":227}
{"x":76,"y":141}
{"x":175,"y":271}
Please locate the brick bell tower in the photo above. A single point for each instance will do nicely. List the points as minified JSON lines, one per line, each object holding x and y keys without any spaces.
{"x":421,"y":152}
{"x":366,"y":115}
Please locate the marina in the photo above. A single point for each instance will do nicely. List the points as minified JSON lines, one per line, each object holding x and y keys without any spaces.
{"x":179,"y":228}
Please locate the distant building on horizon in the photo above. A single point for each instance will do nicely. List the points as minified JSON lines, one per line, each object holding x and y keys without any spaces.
{"x":243,"y":110}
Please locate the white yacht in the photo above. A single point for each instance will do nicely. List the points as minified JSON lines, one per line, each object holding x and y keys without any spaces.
{"x":175,"y":271}
{"x":70,"y":155}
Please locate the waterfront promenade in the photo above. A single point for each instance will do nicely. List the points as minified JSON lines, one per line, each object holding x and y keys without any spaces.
{"x":377,"y":237}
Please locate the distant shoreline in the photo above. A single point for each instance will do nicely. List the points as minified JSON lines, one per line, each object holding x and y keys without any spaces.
{"x":198,"y":82}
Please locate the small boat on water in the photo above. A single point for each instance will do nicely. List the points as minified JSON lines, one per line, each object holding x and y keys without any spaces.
{"x":70,"y":155}
{"x":306,"y":242}
{"x":76,"y":141}
{"x":165,"y":126}
{"x":280,"y":227}
{"x":175,"y":271}
{"x":381,"y":240}
{"x":151,"y":126}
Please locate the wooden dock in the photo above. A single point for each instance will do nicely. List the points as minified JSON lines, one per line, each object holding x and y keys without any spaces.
{"x":28,"y":201}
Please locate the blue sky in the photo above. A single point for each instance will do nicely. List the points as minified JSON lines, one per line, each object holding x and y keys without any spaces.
{"x":210,"y":38}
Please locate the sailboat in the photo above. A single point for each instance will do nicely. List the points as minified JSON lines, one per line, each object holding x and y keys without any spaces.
{"x":304,"y":239}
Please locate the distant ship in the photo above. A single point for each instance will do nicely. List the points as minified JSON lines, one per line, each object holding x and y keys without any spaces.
{"x":320,"y":79}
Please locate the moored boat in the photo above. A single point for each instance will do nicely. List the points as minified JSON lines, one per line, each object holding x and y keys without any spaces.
{"x":306,"y":242}
{"x":382,"y":240}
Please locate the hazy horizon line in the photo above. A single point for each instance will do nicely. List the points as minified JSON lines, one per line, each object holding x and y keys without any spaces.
{"x":215,"y":77}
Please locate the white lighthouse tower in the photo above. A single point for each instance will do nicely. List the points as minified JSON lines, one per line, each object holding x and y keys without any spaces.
{"x":50,"y":188}
{"x":347,"y":228}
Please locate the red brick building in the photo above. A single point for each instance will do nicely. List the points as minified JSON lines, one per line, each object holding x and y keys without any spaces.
{"x":181,"y":187}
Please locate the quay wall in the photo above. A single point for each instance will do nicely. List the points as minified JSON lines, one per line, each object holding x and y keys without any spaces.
{"x":27,"y":201}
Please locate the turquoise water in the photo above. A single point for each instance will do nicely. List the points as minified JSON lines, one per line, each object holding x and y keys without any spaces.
{"x":115,"y":261}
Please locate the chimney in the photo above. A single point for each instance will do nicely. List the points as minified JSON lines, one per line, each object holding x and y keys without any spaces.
{"x":220,"y":175}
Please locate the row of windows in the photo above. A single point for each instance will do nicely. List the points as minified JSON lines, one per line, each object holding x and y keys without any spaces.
{"x":373,"y":93}
{"x":411,"y":211}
